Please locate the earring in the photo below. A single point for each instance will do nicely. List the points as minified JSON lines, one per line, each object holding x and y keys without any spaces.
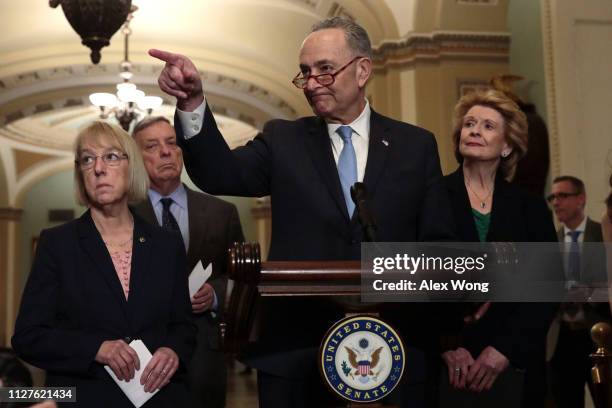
{"x":505,"y":154}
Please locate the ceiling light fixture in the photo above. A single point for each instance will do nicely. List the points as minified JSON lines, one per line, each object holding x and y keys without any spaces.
{"x":129,"y":103}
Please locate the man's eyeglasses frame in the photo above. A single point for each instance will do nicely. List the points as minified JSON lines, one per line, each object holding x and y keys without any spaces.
{"x":322,"y":79}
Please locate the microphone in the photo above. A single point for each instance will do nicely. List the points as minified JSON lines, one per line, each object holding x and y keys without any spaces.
{"x":359,"y":194}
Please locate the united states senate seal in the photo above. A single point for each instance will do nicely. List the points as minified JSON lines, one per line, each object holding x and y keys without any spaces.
{"x":362,"y":358}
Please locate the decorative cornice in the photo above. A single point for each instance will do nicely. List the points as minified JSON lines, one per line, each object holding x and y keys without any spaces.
{"x":10,"y":214}
{"x":62,"y":138}
{"x":477,"y":2}
{"x":442,"y":45}
{"x":29,"y":83}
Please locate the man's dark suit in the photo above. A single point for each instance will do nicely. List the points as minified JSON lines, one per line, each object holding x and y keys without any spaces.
{"x":214,"y":226}
{"x":570,"y":363}
{"x":292,"y":161}
{"x":73,"y":301}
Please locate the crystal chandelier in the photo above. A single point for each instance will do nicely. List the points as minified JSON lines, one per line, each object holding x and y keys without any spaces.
{"x":129,"y":103}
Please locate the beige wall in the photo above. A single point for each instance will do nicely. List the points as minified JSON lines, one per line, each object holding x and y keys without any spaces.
{"x":431,"y":15}
{"x":437,"y":92}
{"x":578,"y":56}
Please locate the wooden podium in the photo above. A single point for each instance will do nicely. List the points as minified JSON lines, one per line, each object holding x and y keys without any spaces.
{"x":254,"y":278}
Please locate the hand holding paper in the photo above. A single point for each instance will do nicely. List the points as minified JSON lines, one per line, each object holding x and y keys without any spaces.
{"x":160,"y":369}
{"x":132,"y":388}
{"x":201,"y":293}
{"x":119,"y":357}
{"x":198,"y":277}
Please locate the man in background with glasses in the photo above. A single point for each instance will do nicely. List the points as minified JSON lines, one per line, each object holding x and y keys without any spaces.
{"x":584,"y":266}
{"x":307,"y":166}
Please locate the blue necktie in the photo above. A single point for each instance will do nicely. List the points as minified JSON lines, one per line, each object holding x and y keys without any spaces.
{"x":573,"y":264}
{"x":168,"y":220}
{"x":347,"y":166}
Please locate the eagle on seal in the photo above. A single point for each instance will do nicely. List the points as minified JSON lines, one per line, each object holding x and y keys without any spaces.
{"x":363,"y":366}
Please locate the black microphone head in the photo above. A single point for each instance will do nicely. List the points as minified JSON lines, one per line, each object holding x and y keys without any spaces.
{"x":358,"y":192}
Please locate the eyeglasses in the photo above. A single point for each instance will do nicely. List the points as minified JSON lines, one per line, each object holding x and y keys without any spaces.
{"x":560,"y":196}
{"x":111,"y":159}
{"x":322,"y":79}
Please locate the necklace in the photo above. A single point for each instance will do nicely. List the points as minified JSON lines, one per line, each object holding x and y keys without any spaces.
{"x":483,"y":201}
{"x":119,"y":245}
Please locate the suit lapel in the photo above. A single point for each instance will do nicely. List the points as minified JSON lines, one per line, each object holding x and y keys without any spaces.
{"x":198,"y":227}
{"x":145,"y":210}
{"x":378,"y":149}
{"x":592,"y":231}
{"x":461,"y":207}
{"x":141,"y":254}
{"x":560,"y":236}
{"x":589,"y":237}
{"x":319,"y":147}
{"x":503,"y":212}
{"x":94,"y":247}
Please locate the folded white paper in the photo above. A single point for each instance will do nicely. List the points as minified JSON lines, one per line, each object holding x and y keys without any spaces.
{"x":133,"y":389}
{"x":198,"y":277}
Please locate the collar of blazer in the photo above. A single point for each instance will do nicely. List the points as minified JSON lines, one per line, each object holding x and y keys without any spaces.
{"x":504,"y":201}
{"x":94,"y":247}
{"x":320,"y":149}
{"x":592,"y":232}
{"x":197,"y":208}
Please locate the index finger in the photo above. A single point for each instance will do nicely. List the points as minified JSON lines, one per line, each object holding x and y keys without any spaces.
{"x":134,"y":355}
{"x":164,"y":56}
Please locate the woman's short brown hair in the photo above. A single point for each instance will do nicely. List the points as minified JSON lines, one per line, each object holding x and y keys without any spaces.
{"x":138,"y":182}
{"x":515,"y":125}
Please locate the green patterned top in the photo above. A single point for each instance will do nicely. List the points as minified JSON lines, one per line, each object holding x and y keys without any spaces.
{"x":482,"y":224}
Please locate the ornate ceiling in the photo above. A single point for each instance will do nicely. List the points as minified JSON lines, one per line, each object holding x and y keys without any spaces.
{"x":246,"y":50}
{"x":46,"y":75}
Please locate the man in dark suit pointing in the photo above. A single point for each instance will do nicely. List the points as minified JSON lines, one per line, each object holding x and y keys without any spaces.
{"x":208,"y":226}
{"x":307,"y":167}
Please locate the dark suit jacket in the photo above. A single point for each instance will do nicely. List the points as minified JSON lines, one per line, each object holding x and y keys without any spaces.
{"x":292,"y":161}
{"x":73,"y":301}
{"x":517,"y":330}
{"x":214,"y":226}
{"x":593,"y":272}
{"x":593,"y":258}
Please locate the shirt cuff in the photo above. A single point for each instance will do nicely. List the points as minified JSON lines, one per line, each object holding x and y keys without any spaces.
{"x":191,"y":122}
{"x":215,"y":303}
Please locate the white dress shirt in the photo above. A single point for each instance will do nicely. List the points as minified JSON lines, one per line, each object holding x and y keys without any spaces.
{"x":580,"y":228}
{"x":360,"y":139}
{"x":178,"y":210}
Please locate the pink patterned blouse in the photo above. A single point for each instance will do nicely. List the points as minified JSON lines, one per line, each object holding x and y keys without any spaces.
{"x":122,"y":259}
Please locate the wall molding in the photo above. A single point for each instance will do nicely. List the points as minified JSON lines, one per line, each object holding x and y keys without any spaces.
{"x":62,"y":77}
{"x":442,"y":45}
{"x":10,"y":214}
